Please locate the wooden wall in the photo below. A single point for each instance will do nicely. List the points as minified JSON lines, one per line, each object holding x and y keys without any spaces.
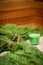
{"x":21,"y":13}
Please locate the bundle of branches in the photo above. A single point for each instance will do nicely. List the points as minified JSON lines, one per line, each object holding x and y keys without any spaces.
{"x":14,"y":34}
{"x":5,"y":43}
{"x":6,"y":35}
{"x":22,"y":54}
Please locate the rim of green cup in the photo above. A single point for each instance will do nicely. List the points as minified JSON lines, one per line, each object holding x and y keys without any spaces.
{"x":34,"y":35}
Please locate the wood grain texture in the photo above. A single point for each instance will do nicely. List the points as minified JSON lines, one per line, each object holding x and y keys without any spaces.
{"x":22,"y":13}
{"x":12,"y":0}
{"x":28,"y":21}
{"x":20,"y":0}
{"x":20,"y":5}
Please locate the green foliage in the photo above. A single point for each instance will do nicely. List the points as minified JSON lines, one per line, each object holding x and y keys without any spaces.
{"x":5,"y":43}
{"x":6,"y":35}
{"x":22,"y":54}
{"x":10,"y":33}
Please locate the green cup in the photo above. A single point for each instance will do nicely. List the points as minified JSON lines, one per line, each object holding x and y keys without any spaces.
{"x":34,"y":38}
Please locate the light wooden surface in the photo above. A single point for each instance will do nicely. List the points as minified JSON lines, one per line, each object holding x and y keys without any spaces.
{"x":40,"y":45}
